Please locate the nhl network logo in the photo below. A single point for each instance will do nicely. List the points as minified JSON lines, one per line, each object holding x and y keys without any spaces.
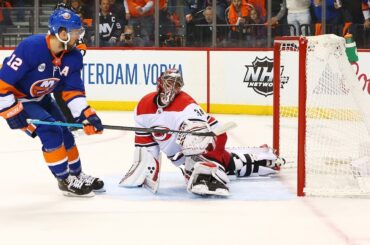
{"x":259,"y":76}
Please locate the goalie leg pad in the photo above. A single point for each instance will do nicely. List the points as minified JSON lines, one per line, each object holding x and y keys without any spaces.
{"x":144,"y":172}
{"x":208,"y":178}
{"x":245,"y":165}
{"x":264,"y":154}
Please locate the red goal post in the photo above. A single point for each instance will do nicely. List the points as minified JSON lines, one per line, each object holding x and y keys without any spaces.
{"x":301,"y":43}
{"x":323,"y":125}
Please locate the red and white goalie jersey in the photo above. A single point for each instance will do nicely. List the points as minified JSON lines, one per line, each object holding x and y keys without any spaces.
{"x":149,"y":115}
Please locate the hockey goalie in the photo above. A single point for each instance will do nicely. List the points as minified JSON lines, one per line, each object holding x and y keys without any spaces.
{"x":204,"y":161}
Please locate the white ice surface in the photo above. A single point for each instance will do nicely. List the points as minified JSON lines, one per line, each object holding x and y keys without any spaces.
{"x":262,"y":211}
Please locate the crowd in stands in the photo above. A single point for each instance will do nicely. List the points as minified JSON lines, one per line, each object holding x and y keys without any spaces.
{"x":239,"y":23}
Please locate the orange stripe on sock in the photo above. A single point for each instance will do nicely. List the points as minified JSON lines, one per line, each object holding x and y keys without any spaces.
{"x":318,"y":29}
{"x":73,"y":154}
{"x":55,"y":156}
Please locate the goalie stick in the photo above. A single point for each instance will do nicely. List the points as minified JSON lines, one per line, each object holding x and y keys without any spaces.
{"x":220,"y":130}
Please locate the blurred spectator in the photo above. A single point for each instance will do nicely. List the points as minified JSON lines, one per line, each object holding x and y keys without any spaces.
{"x":260,"y":6}
{"x":171,"y":40}
{"x":76,"y":6}
{"x":334,"y":20}
{"x":203,"y":29}
{"x":366,"y":13}
{"x":118,"y":9}
{"x":169,"y":24}
{"x":299,"y":16}
{"x":238,"y":12}
{"x":129,"y":39}
{"x":221,"y":7}
{"x":20,"y":9}
{"x":278,"y":20}
{"x":5,"y":20}
{"x":256,"y":30}
{"x":354,"y":19}
{"x":88,"y":8}
{"x":193,"y":12}
{"x":237,"y":16}
{"x":109,"y":27}
{"x":278,"y":12}
{"x":142,"y":19}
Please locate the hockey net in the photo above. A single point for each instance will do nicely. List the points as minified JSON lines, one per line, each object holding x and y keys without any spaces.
{"x":321,"y":116}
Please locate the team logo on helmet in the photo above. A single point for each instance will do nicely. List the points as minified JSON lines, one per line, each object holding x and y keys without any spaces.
{"x":66,"y":16}
{"x":259,"y":76}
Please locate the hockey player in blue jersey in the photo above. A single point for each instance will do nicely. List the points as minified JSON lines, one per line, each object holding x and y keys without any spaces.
{"x":40,"y":65}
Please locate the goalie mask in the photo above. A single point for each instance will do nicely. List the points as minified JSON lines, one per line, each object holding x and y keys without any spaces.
{"x":169,"y":84}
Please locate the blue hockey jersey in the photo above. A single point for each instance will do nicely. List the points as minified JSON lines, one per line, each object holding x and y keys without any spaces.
{"x":29,"y":74}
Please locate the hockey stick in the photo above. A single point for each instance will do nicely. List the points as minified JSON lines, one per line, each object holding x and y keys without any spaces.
{"x":220,"y":130}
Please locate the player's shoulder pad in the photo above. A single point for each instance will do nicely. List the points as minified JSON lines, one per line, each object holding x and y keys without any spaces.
{"x":181,"y":101}
{"x":147,"y":104}
{"x":30,"y":46}
{"x":74,"y":59}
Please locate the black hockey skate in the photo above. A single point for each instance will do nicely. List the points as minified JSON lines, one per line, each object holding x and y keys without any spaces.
{"x":96,"y":183}
{"x":208,"y":185}
{"x":73,"y":187}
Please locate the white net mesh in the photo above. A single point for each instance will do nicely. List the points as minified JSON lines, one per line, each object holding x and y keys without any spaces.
{"x":337,"y":151}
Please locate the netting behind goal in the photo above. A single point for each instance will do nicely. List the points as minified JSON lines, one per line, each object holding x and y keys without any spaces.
{"x":324,"y":123}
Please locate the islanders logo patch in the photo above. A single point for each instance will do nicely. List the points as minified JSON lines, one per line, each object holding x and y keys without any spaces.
{"x":42,"y":87}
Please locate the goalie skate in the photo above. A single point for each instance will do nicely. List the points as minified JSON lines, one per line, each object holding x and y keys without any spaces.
{"x":207,"y":185}
{"x":74,"y":187}
{"x":208,"y":178}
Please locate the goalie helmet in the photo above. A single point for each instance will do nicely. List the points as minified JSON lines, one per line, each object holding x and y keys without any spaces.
{"x":169,"y":84}
{"x":64,"y":18}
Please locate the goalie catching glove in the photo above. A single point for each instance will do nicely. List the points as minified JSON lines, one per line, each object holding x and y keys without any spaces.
{"x":91,"y":122}
{"x":194,"y":144}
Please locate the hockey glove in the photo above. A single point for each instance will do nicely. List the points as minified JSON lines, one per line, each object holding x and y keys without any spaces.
{"x":191,"y":144}
{"x":15,"y":116}
{"x":92,"y":123}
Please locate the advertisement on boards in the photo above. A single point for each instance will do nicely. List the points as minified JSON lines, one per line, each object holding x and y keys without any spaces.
{"x":237,"y":79}
{"x":127,"y":75}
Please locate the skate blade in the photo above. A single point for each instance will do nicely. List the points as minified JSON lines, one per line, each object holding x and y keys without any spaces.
{"x":70,"y":194}
{"x":203,"y":191}
{"x":101,"y":190}
{"x":261,"y":177}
